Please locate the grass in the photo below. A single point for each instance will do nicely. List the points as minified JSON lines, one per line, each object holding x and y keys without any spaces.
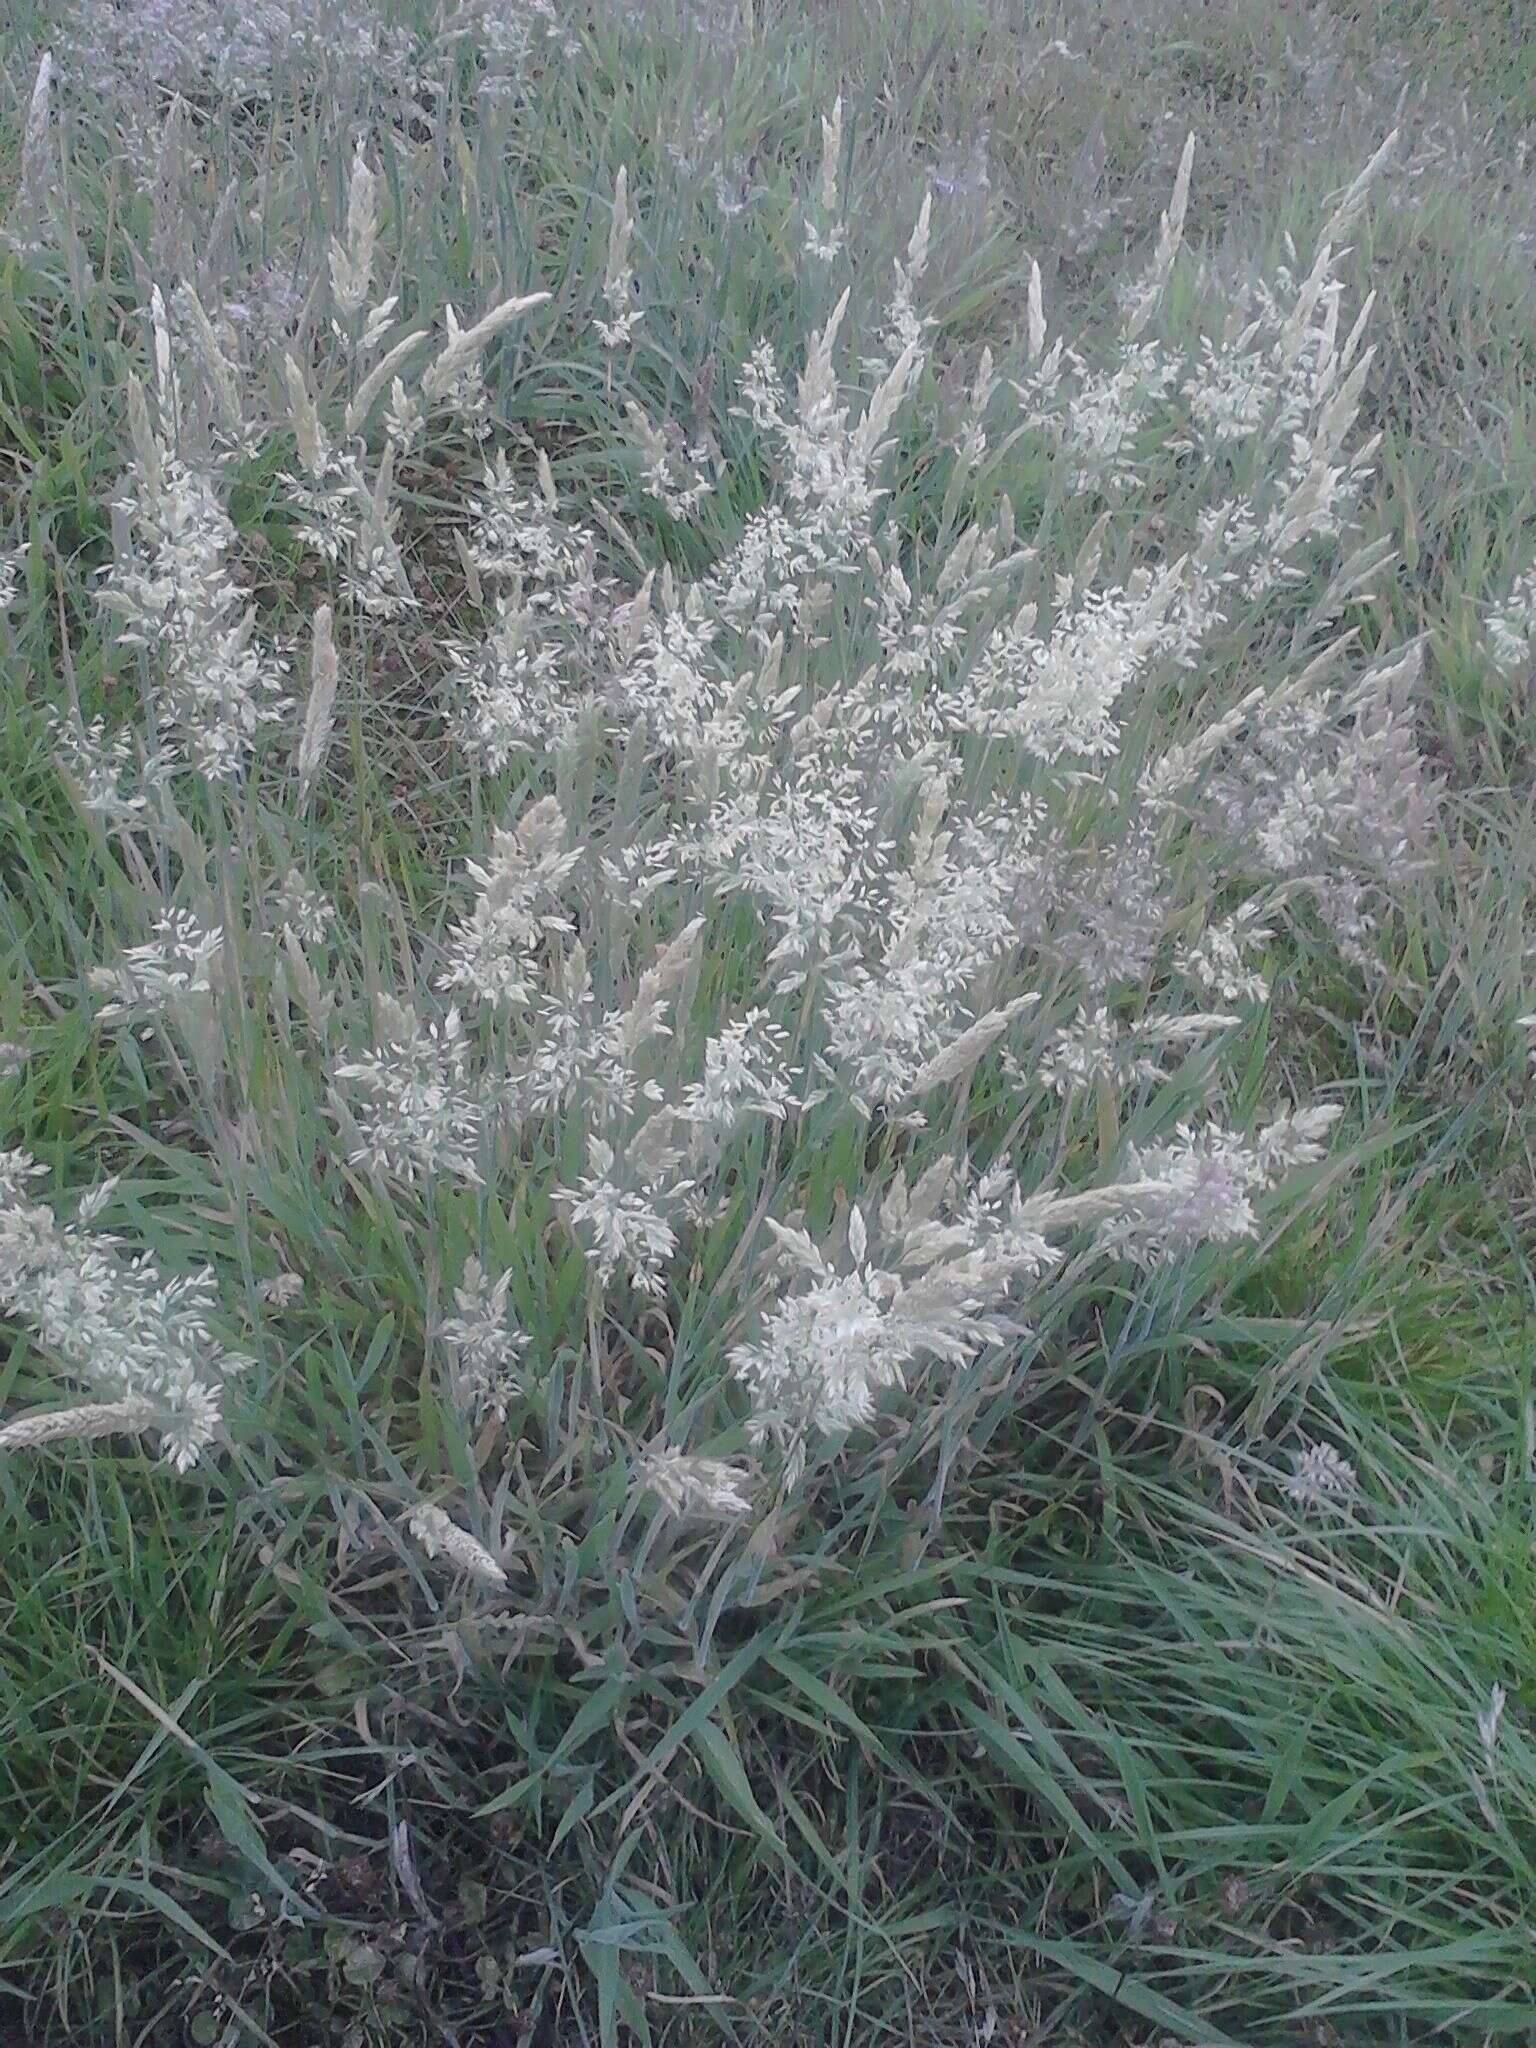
{"x":1116,"y":1750}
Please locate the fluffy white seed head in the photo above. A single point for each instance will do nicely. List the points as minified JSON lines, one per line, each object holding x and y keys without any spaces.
{"x":440,"y":1536}
{"x":687,"y":1485}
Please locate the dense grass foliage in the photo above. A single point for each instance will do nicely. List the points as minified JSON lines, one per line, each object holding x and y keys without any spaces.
{"x":766,"y":989}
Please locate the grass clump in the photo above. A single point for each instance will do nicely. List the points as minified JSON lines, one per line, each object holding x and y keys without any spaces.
{"x":765,"y":939}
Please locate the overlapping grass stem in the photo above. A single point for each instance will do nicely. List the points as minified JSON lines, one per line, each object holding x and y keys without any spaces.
{"x":752,"y":980}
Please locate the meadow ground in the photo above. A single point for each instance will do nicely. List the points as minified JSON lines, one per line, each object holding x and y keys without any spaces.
{"x":844,"y":1049}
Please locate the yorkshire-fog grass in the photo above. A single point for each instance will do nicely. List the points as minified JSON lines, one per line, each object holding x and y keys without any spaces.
{"x":766,"y":1026}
